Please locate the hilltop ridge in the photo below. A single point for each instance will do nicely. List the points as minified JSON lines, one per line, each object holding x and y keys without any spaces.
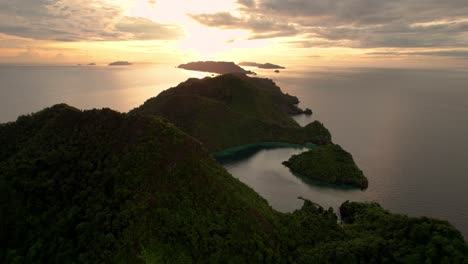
{"x":232,"y":110}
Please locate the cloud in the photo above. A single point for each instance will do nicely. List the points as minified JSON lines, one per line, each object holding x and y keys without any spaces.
{"x":365,"y":12}
{"x":260,"y":26}
{"x":351,"y":23}
{"x":450,"y":34}
{"x":438,"y":53}
{"x":247,"y":3}
{"x":145,"y":29}
{"x":77,"y":20}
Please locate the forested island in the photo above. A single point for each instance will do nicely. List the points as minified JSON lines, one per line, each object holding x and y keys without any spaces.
{"x":262,"y":65}
{"x":328,"y":163}
{"x":220,"y":67}
{"x":98,"y":186}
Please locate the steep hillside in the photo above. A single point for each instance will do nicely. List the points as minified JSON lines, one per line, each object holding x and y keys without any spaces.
{"x":232,"y":110}
{"x":100,"y":186}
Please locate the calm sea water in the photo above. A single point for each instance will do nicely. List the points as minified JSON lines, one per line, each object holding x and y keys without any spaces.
{"x":27,"y":89}
{"x":406,"y":128}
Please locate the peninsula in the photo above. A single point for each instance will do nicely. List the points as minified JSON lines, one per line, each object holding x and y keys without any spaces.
{"x":219,"y":67}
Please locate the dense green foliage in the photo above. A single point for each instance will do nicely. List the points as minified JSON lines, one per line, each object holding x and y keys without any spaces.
{"x":233,"y":110}
{"x":370,"y":234}
{"x":329,"y":163}
{"x":100,"y":186}
{"x":375,"y":235}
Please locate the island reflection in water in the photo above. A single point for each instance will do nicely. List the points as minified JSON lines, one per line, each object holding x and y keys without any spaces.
{"x":264,"y":172}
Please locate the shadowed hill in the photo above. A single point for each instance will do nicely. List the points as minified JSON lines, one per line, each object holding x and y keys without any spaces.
{"x":100,"y":186}
{"x":104,"y":187}
{"x":233,"y":109}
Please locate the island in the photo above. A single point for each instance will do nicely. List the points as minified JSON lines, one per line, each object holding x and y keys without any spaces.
{"x":99,"y":186}
{"x":330,"y":164}
{"x":219,"y":67}
{"x":120,"y":63}
{"x":262,"y":65}
{"x":277,"y":71}
{"x":89,"y":64}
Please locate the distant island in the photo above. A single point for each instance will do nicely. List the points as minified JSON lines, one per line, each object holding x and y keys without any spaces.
{"x":220,"y":67}
{"x":120,"y":63}
{"x":92,"y":64}
{"x":328,"y":163}
{"x":262,"y":65}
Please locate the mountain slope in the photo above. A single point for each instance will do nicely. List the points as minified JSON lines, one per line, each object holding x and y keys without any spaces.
{"x":104,"y":186}
{"x":232,"y":110}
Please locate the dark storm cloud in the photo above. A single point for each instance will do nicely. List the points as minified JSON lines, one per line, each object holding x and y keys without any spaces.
{"x":353,"y":23}
{"x":77,"y":20}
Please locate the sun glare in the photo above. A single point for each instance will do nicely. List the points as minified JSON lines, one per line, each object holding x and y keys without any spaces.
{"x":203,"y":42}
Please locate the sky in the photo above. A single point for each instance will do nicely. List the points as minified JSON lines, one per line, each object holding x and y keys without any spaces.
{"x":397,"y":33}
